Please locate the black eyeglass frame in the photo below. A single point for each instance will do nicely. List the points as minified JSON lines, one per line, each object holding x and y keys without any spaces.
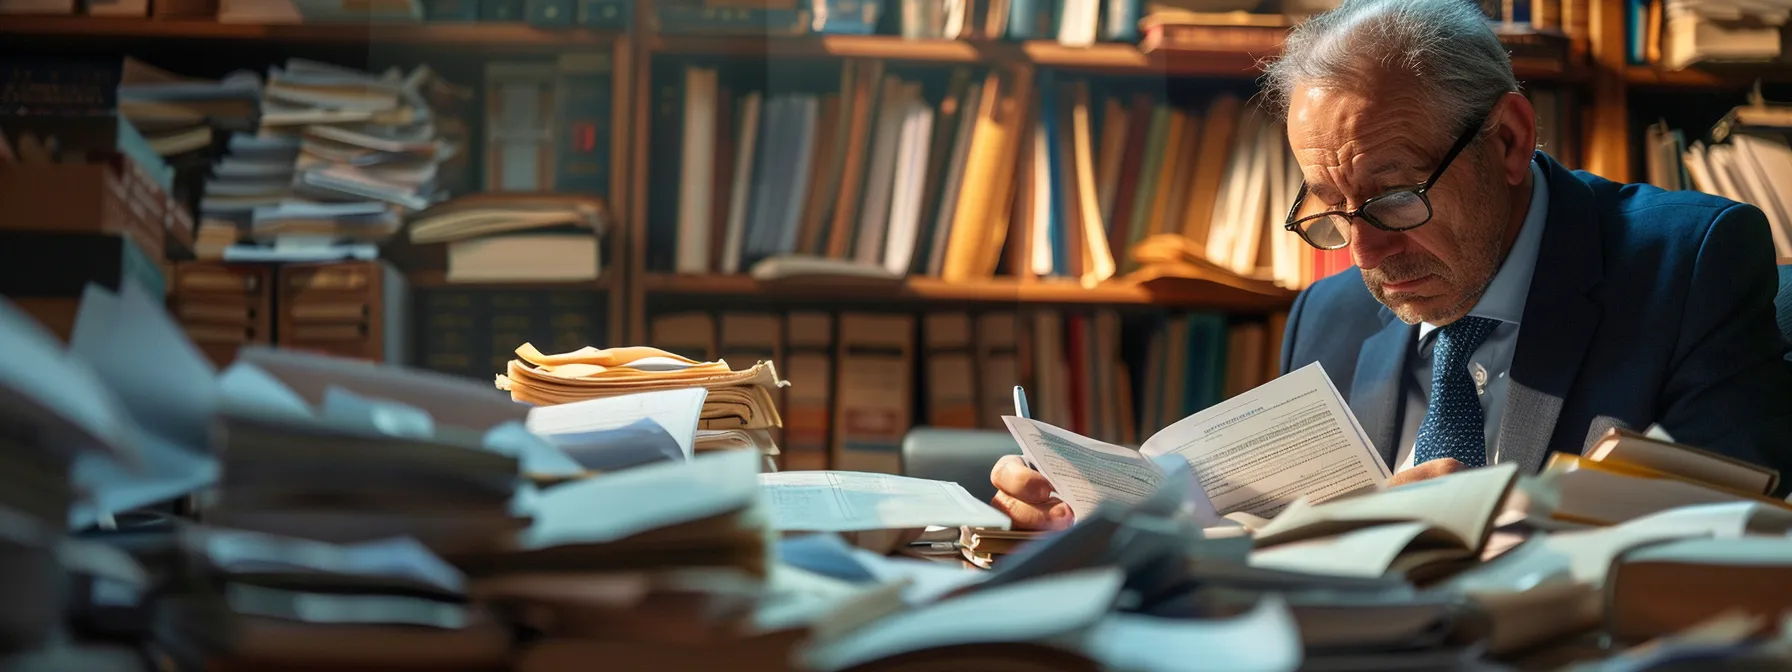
{"x":1292,"y":224}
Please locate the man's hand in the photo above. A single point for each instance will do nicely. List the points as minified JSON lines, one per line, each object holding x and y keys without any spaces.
{"x":1420,"y":472}
{"x":1026,"y":497}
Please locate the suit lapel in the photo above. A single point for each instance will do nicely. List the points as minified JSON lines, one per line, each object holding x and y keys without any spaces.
{"x":1378,"y":391}
{"x":1560,"y":316}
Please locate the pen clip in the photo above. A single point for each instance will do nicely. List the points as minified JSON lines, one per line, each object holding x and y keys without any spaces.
{"x":1020,"y":403}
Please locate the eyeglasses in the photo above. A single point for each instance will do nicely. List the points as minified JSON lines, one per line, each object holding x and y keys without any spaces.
{"x":1402,"y":209}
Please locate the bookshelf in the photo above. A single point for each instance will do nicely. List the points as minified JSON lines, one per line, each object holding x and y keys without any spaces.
{"x":994,"y":291}
{"x":1597,"y":68}
{"x":435,"y":279}
{"x":509,"y":37}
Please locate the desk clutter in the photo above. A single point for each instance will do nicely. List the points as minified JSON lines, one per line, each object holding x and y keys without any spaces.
{"x":303,"y":511}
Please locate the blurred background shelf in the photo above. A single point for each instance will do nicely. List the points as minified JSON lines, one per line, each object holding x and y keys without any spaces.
{"x":439,"y":279}
{"x":483,"y":36}
{"x":1116,"y":293}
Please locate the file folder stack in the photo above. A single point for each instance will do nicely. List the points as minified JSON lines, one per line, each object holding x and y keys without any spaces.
{"x":739,"y":401}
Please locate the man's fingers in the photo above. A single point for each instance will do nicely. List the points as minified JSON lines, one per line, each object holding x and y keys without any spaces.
{"x":1049,"y":515}
{"x":1427,"y":470}
{"x":1013,"y":477}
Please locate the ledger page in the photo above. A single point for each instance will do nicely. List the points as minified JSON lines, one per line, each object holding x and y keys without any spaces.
{"x":1084,"y":471}
{"x":1289,"y":438}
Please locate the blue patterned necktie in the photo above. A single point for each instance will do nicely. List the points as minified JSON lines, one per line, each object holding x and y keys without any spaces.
{"x":1454,"y":423}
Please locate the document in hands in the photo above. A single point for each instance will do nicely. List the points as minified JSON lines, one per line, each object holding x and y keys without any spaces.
{"x":1255,"y":453}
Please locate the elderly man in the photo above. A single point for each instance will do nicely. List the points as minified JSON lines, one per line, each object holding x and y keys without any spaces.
{"x":1502,"y":306}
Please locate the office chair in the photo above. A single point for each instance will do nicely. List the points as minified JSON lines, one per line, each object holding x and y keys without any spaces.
{"x":962,"y":456}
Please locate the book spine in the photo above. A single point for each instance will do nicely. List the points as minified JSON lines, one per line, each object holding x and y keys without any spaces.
{"x":848,"y":17}
{"x":500,"y":10}
{"x":607,"y":14}
{"x":665,"y":146}
{"x":582,"y":157}
{"x":689,"y":19}
{"x":451,"y":11}
{"x":550,"y":13}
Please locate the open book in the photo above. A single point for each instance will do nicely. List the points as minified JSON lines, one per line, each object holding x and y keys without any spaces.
{"x":1254,"y":454}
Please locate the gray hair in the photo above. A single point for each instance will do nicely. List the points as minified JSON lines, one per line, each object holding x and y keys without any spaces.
{"x":1444,"y":46}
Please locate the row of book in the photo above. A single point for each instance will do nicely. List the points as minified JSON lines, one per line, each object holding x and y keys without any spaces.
{"x":1677,"y":34}
{"x":1749,"y":161}
{"x":860,"y":381}
{"x":959,"y":174}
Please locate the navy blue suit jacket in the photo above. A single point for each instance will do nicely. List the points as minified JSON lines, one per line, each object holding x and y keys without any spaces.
{"x":1647,"y":306}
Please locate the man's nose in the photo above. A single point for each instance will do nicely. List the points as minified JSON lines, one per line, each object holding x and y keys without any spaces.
{"x":1371,"y":245}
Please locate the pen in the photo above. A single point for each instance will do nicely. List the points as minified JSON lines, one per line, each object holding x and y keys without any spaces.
{"x":1021,"y":411}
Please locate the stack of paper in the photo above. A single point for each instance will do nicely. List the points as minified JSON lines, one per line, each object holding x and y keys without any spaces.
{"x":53,"y":412}
{"x":737,"y":399}
{"x":986,"y":546}
{"x":669,"y":553}
{"x":180,"y":116}
{"x":346,"y":451}
{"x":513,"y":237}
{"x":263,"y":600}
{"x":366,"y":145}
{"x":255,"y":172}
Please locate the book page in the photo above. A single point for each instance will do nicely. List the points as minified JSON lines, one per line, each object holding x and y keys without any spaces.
{"x":1289,"y":438}
{"x":1084,"y":471}
{"x":641,"y":499}
{"x":1462,"y":504}
{"x":1367,"y":552}
{"x":1023,"y":612}
{"x":844,"y":501}
{"x":677,"y":411}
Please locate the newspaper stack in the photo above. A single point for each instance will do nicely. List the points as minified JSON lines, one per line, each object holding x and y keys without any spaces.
{"x":740,"y":405}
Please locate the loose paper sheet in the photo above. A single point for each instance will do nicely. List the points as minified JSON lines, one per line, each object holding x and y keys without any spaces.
{"x":677,"y":411}
{"x":625,"y":503}
{"x":1265,"y":639}
{"x":1584,"y":556}
{"x":846,"y":501}
{"x":241,"y":552}
{"x":1256,"y":453}
{"x":1084,"y":471}
{"x":1022,"y":612}
{"x":1288,"y":438}
{"x":1366,"y":553}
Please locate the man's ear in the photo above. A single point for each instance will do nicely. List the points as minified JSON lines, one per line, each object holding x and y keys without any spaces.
{"x":1515,"y":136}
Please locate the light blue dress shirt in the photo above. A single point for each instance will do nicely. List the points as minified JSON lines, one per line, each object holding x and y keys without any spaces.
{"x":1503,"y":301}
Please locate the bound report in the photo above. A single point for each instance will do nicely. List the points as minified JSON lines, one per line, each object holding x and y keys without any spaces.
{"x":1253,"y":454}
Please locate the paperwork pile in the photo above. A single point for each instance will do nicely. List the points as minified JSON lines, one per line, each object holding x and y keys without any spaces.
{"x":736,"y":400}
{"x":403,"y":519}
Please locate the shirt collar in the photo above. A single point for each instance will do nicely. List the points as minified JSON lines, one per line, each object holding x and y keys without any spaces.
{"x":1504,"y":298}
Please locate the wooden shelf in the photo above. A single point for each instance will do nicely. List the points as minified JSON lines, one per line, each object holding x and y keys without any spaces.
{"x":1109,"y":58}
{"x":477,"y":36}
{"x":1106,"y":57}
{"x":1126,"y":59}
{"x":888,"y":47}
{"x":1001,"y":290}
{"x":439,"y":280}
{"x":1727,"y":77}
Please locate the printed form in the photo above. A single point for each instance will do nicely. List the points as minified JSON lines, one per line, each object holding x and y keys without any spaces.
{"x":1256,"y":453}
